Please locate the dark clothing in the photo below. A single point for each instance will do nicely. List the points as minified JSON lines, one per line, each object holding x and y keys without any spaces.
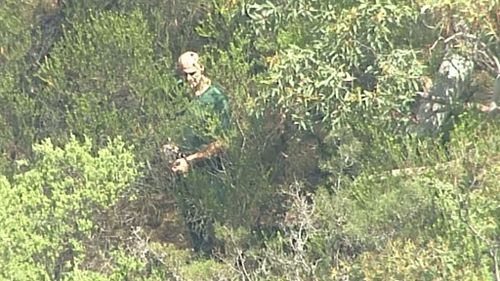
{"x":209,"y":120}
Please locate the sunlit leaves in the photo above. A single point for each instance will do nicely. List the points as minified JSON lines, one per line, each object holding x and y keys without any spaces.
{"x":344,"y":67}
{"x":49,"y":208}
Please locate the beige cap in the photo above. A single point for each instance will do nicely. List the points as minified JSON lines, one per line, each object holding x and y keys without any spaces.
{"x":188,"y":62}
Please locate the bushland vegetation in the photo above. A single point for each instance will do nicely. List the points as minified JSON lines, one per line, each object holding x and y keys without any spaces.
{"x":365,"y":141}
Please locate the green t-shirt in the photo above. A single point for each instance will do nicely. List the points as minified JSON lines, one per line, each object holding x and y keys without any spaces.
{"x":208,"y":120}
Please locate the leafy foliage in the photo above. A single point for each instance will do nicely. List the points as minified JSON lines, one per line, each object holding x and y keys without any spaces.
{"x":325,"y":176}
{"x":102,"y":76}
{"x":48,"y":210}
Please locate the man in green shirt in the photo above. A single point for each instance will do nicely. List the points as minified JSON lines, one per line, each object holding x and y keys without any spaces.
{"x":209,"y":110}
{"x":202,"y":137}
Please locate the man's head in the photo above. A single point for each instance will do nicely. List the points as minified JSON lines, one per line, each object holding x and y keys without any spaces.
{"x":189,"y":65}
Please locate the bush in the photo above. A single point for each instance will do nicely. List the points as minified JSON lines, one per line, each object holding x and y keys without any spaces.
{"x":100,"y":78}
{"x":48,"y":209}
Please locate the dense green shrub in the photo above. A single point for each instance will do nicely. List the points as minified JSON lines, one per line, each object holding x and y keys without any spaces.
{"x":48,"y":210}
{"x":101,"y":77}
{"x":16,"y":128}
{"x":325,"y":176}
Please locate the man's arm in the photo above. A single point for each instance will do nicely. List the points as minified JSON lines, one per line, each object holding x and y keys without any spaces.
{"x":210,"y":150}
{"x":182,"y":165}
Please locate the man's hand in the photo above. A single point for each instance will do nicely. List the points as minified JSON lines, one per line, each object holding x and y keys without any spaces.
{"x":180,"y":166}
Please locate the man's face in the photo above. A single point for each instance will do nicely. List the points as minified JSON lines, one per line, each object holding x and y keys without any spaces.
{"x":193,"y":78}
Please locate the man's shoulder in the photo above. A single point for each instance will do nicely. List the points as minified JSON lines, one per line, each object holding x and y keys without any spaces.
{"x":215,"y":89}
{"x":213,"y":94}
